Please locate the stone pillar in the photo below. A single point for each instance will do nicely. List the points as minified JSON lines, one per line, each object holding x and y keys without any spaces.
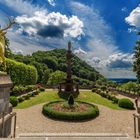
{"x":5,"y":106}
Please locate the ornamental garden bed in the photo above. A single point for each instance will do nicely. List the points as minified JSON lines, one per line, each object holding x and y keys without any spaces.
{"x":62,"y":111}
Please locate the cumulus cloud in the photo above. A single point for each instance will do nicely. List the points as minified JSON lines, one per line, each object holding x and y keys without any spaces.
{"x":134,"y":18}
{"x":22,"y":6}
{"x":57,"y":24}
{"x":51,"y":2}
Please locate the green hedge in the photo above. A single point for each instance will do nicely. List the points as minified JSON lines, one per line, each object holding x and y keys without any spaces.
{"x":19,"y":90}
{"x":72,"y":116}
{"x":126,"y":103}
{"x":21,"y":74}
{"x":13,"y":101}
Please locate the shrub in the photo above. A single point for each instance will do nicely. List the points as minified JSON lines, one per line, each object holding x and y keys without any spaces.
{"x":21,"y":99}
{"x":115,"y":100}
{"x":71,"y":100}
{"x":20,"y":73}
{"x":41,"y":89}
{"x":36,"y":92}
{"x":126,"y":103}
{"x":26,"y":97}
{"x":103,"y":88}
{"x":13,"y":101}
{"x":94,"y":90}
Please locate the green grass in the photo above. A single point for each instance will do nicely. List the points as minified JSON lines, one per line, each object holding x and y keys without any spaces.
{"x":86,"y":96}
{"x":41,"y":98}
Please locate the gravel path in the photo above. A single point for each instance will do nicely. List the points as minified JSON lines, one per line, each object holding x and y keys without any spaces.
{"x":31,"y":120}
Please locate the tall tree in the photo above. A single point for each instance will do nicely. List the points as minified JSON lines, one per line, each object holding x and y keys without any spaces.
{"x":136,"y":65}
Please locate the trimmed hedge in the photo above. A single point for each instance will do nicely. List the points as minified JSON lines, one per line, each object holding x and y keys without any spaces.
{"x":19,"y":90}
{"x":126,"y":103}
{"x":20,"y":73}
{"x":13,"y":101}
{"x":71,"y":116}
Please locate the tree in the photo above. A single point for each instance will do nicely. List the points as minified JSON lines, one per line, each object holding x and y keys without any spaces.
{"x":56,"y":77}
{"x":136,"y":64}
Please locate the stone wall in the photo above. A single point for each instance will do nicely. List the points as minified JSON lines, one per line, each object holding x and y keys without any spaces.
{"x":5,"y":106}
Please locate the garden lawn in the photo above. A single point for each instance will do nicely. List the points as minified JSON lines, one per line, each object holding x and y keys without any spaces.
{"x":86,"y":96}
{"x":41,"y":98}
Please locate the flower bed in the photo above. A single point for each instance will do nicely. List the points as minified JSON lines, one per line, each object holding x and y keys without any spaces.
{"x":62,"y":111}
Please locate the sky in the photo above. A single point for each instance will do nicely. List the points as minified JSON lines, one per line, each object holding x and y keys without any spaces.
{"x":103,"y":32}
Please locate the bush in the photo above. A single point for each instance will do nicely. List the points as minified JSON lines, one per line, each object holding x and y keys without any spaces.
{"x":115,"y":100}
{"x":19,"y":90}
{"x":104,"y":88}
{"x":13,"y":101}
{"x":26,"y":97}
{"x":126,"y":103}
{"x":21,"y":99}
{"x":20,"y":73}
{"x":94,"y":90}
{"x":41,"y":89}
{"x":71,"y":100}
{"x":91,"y":113}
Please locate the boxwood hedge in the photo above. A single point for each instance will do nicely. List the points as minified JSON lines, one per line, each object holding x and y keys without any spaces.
{"x":71,"y":116}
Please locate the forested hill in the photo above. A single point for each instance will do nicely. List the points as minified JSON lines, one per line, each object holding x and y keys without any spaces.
{"x":50,"y":61}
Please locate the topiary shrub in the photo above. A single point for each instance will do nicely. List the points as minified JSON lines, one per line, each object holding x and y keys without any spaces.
{"x":20,"y":99}
{"x":41,"y":89}
{"x":94,"y":90}
{"x":126,"y":103}
{"x":71,"y":100}
{"x":115,"y":100}
{"x":13,"y":101}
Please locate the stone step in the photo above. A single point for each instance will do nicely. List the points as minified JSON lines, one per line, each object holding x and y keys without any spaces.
{"x":72,"y":136}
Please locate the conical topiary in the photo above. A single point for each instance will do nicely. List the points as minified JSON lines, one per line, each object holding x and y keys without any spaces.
{"x":71,"y":100}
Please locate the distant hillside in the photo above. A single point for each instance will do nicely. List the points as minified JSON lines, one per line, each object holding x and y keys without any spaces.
{"x":56,"y":60}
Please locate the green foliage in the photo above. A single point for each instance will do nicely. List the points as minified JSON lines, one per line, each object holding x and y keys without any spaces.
{"x":13,"y":101}
{"x":91,"y":113}
{"x":56,"y":77}
{"x":50,"y":61}
{"x":71,"y":100}
{"x":21,"y":99}
{"x":41,"y":89}
{"x":130,"y":86}
{"x":136,"y":64}
{"x":126,"y":103}
{"x":19,"y":90}
{"x":20,"y":73}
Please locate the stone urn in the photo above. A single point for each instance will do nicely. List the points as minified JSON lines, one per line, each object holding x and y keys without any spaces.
{"x":5,"y":106}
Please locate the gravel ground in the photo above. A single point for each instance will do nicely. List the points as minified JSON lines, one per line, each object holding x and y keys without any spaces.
{"x":31,"y":120}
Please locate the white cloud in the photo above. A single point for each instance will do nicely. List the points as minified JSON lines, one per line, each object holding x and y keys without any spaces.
{"x":51,"y":2}
{"x":22,"y":6}
{"x":100,"y":41}
{"x":71,"y":26}
{"x":124,"y":9}
{"x":134,"y":18}
{"x":79,"y":51}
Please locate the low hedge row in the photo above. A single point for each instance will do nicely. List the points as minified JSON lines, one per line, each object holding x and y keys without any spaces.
{"x":106,"y":95}
{"x":19,"y":90}
{"x":70,"y":116}
{"x":15,"y":100}
{"x":124,"y":102}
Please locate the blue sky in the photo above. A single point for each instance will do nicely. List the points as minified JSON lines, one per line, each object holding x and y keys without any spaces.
{"x":103,"y":32}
